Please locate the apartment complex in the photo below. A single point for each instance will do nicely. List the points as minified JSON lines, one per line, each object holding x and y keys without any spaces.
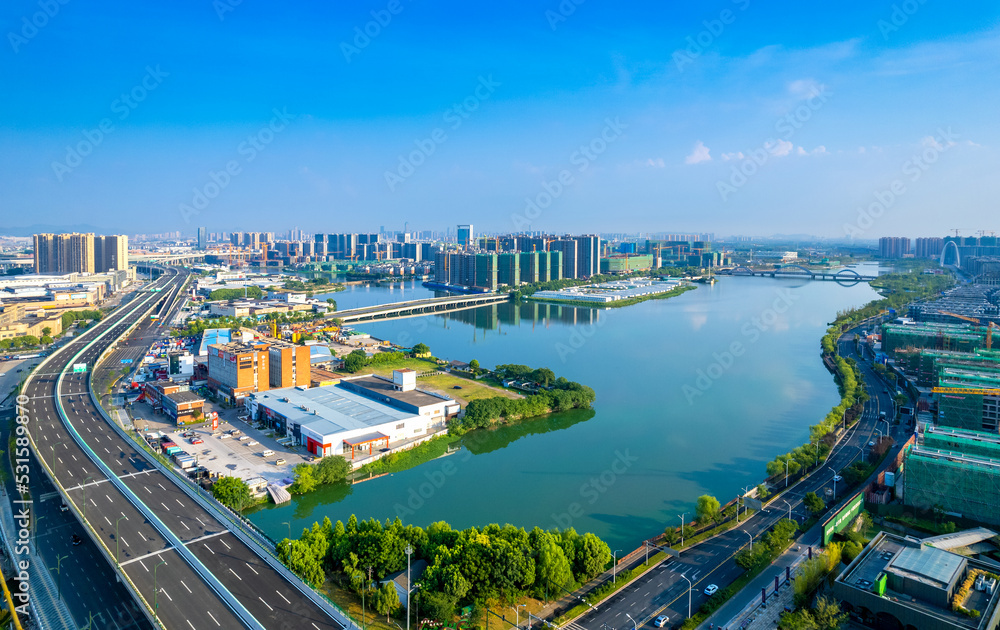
{"x":893,"y":247}
{"x":80,"y":253}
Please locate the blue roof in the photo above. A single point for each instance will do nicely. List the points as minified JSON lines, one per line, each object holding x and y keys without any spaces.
{"x":213,"y":336}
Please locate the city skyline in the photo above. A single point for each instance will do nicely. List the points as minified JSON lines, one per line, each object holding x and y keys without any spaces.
{"x":735,"y":118}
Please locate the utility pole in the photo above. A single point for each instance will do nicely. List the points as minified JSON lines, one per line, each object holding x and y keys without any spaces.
{"x":409,"y":591}
{"x":682,"y":525}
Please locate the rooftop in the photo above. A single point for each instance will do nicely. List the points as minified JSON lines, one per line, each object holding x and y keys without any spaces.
{"x":185,"y":397}
{"x":332,"y":408}
{"x":385,"y":387}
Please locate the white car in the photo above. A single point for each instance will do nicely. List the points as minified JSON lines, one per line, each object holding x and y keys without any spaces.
{"x":711,"y":589}
{"x":872,"y":443}
{"x":838,"y":478}
{"x":253,"y":443}
{"x":661,"y":621}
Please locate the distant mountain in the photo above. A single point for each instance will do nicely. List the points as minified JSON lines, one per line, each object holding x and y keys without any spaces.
{"x":55,"y":229}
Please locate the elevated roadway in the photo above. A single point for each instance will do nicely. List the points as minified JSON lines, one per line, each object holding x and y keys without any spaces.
{"x":187,"y":564}
{"x":415,"y":308}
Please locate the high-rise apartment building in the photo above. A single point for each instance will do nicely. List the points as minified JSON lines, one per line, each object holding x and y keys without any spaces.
{"x":202,"y":237}
{"x":111,"y":253}
{"x":65,"y":253}
{"x":568,"y":247}
{"x":588,"y":261}
{"x":928,"y":247}
{"x":893,"y":247}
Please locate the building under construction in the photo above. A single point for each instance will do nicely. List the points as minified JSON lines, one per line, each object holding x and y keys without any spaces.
{"x":932,"y":336}
{"x":925,"y":366}
{"x":955,"y":471}
{"x":968,"y":399}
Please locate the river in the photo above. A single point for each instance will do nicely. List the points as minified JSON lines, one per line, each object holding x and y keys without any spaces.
{"x":695,"y":395}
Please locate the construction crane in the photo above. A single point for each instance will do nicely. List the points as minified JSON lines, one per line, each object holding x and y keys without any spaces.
{"x":962,"y":390}
{"x":989,"y":326}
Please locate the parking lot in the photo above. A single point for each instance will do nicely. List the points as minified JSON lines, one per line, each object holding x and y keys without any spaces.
{"x":222,"y":452}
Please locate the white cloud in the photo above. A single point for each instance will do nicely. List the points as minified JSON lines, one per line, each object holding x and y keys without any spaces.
{"x":698,"y":154}
{"x":780,"y":148}
{"x":655,"y":163}
{"x":820,"y":150}
{"x":726,"y":157}
{"x":805,"y":88}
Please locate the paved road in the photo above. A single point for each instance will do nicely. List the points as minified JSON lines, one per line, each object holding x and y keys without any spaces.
{"x":184,"y":599}
{"x":664,"y":590}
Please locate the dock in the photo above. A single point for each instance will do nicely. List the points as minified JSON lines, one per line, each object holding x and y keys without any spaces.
{"x":278,"y":494}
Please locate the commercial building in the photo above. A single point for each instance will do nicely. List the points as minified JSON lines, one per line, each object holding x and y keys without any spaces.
{"x":956,"y":471}
{"x":607,"y":292}
{"x":624,"y":263}
{"x":898,"y":582}
{"x":356,"y":417}
{"x":202,"y":238}
{"x":20,"y":319}
{"x":289,"y":365}
{"x":238,"y":369}
{"x":466,"y":237}
{"x":175,"y":400}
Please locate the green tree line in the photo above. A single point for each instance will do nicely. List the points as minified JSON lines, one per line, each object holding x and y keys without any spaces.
{"x":471,"y":566}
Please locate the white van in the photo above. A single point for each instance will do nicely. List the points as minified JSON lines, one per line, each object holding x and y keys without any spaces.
{"x":267,"y":453}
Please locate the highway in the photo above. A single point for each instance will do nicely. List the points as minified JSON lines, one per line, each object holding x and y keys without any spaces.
{"x":664,"y":589}
{"x":142,"y":522}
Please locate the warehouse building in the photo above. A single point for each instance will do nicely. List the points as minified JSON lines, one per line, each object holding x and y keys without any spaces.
{"x":352,"y":421}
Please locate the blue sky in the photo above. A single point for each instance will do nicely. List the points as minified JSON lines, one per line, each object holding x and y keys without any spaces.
{"x":860,"y":119}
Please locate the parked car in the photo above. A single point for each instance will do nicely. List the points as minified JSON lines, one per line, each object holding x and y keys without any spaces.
{"x":711,"y":589}
{"x":661,"y":621}
{"x":279,"y":462}
{"x":197,"y":441}
{"x":253,"y":443}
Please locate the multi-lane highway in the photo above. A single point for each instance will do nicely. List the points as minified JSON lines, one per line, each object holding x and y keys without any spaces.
{"x":182,"y":560}
{"x":664,"y":590}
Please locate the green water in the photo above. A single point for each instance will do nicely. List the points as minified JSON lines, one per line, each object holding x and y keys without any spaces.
{"x":695,"y":395}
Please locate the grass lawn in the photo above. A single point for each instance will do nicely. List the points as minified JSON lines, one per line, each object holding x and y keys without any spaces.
{"x":471,"y":390}
{"x":385,"y":369}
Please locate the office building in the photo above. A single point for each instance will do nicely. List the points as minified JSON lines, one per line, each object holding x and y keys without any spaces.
{"x":465,"y":237}
{"x":289,"y":365}
{"x":202,"y":237}
{"x":892,"y":247}
{"x":238,"y":369}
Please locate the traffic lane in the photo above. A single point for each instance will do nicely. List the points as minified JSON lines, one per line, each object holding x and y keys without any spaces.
{"x":275,"y":603}
{"x":13,"y":372}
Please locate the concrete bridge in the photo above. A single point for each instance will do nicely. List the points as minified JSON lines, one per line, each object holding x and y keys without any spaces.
{"x":843,"y":276}
{"x":415,"y":308}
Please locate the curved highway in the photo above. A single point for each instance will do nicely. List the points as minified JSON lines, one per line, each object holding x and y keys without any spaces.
{"x":143,"y":520}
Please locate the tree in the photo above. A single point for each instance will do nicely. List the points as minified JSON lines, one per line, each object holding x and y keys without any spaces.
{"x":762,"y":491}
{"x":671,"y":536}
{"x":232,"y":492}
{"x":47,"y":331}
{"x":707,"y":509}
{"x":332,"y":469}
{"x":439,"y":606}
{"x":474,"y":365}
{"x":332,"y":302}
{"x":46,"y":340}
{"x":828,"y":614}
{"x":553,"y":568}
{"x":305,"y":480}
{"x":421,"y":348}
{"x":592,"y":556}
{"x":813,"y":503}
{"x":798,"y":620}
{"x":355,"y":361}
{"x":386,"y":600}
{"x":850,"y":551}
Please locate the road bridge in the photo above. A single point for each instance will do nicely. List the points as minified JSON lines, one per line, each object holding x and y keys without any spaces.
{"x":843,"y":276}
{"x":415,"y":308}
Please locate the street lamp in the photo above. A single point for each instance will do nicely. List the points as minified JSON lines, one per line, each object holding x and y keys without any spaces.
{"x":36,"y":529}
{"x":634,"y":626}
{"x":751,"y":539}
{"x":787,"y":461}
{"x":682,"y":524}
{"x":409,"y":552}
{"x":614,"y":566}
{"x":789,"y":508}
{"x":156,"y":590}
{"x":690,"y":586}
{"x":118,"y":538}
{"x":517,"y":614}
{"x":58,"y":570}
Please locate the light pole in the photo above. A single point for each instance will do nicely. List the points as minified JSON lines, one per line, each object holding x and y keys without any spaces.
{"x":690,"y":586}
{"x":634,"y":626}
{"x":409,"y":552}
{"x":789,"y":508}
{"x":517,"y":614}
{"x":834,"y":484}
{"x":118,"y":538}
{"x":58,"y":570}
{"x":36,"y":529}
{"x":751,"y":539}
{"x":614,"y":566}
{"x":682,"y":524}
{"x":156,"y":590}
{"x":787,"y":461}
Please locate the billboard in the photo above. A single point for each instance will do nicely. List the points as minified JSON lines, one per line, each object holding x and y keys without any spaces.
{"x":79,"y":367}
{"x":843,"y":517}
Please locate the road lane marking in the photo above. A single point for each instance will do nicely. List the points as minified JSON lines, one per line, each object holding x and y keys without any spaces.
{"x":282,"y":596}
{"x":185,"y":586}
{"x":265,"y":603}
{"x":252,"y":569}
